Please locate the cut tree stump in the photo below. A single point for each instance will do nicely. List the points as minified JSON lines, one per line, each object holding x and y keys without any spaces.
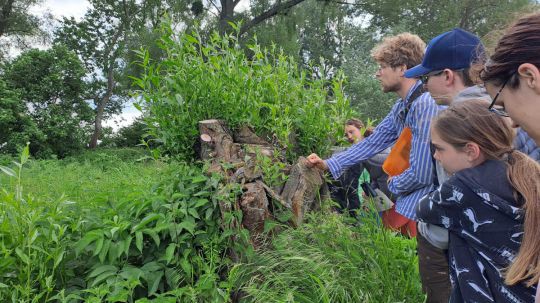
{"x":246,"y":135}
{"x":254,"y":205}
{"x":301,"y":192}
{"x":216,"y":142}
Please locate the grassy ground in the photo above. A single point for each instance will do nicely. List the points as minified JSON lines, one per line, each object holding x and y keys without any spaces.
{"x":330,"y":258}
{"x":90,"y":178}
{"x":333,"y":258}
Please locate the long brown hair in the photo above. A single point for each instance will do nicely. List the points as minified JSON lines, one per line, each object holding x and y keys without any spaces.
{"x":520,"y":44}
{"x":471,"y":121}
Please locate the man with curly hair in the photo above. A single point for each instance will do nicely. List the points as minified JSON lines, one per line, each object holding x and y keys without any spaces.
{"x":414,"y":110}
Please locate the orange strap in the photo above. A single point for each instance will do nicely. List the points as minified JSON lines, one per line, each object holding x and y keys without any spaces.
{"x":398,"y":159}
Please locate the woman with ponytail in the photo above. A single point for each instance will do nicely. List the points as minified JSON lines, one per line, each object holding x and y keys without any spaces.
{"x":490,"y":206}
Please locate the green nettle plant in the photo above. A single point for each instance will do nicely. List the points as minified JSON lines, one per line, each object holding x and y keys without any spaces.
{"x":33,"y":241}
{"x":168,"y":244}
{"x":172,"y":241}
{"x":219,"y":79}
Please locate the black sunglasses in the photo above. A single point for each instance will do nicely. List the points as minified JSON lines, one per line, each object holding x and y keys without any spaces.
{"x":425,"y":78}
{"x":499,"y":111}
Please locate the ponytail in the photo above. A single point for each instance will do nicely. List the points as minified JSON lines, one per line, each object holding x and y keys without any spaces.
{"x":524,"y":175}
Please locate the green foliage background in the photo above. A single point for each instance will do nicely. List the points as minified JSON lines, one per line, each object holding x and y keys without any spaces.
{"x":200,"y":80}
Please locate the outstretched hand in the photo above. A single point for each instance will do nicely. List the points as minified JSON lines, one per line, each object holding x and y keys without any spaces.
{"x":315,"y":161}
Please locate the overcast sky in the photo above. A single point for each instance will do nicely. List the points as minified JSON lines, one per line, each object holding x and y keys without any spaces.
{"x":77,"y":8}
{"x":60,"y":8}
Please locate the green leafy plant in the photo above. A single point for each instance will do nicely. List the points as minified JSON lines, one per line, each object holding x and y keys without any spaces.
{"x":200,"y":80}
{"x":33,"y":241}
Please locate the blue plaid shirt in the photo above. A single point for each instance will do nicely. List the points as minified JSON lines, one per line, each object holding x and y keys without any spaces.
{"x":526,"y":145}
{"x":417,"y":180}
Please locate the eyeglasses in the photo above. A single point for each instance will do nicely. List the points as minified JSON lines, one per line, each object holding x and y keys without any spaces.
{"x":499,"y":110}
{"x":425,"y":77}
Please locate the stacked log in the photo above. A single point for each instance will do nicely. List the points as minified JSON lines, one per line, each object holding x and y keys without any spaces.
{"x":300,"y":194}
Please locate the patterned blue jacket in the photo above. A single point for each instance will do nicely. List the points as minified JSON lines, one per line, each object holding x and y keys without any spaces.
{"x":485,"y":226}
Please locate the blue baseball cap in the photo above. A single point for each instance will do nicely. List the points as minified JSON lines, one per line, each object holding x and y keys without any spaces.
{"x":455,"y":49}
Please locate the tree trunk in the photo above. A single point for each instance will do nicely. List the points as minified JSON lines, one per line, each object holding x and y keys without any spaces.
{"x":101,"y":109}
{"x":301,"y":192}
{"x":254,"y":205}
{"x":226,"y":15}
{"x":219,"y":144}
{"x":111,"y":57}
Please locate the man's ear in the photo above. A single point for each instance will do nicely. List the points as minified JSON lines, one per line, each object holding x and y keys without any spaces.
{"x":449,"y":77}
{"x":530,"y":76}
{"x":473,"y":151}
{"x":402,"y":69}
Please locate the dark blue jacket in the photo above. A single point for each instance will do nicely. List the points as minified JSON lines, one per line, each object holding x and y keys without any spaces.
{"x":485,"y":224}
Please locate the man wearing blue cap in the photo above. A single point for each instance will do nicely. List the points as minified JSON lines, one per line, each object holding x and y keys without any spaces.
{"x":445,"y":74}
{"x":445,"y":67}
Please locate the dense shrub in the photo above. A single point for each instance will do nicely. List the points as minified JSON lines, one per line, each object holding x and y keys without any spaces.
{"x":51,"y":89}
{"x":117,"y":236}
{"x":131,"y":135}
{"x":200,"y":80}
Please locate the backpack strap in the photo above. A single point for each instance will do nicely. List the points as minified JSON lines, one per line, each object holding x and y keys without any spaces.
{"x":418,"y":91}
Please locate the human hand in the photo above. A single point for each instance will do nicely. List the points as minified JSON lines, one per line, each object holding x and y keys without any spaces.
{"x":314,"y":160}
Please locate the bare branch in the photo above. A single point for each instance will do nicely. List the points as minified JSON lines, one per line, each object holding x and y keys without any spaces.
{"x":276,"y":9}
{"x":214,"y":5}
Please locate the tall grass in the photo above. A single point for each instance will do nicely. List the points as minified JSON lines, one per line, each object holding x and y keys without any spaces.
{"x":330,"y":260}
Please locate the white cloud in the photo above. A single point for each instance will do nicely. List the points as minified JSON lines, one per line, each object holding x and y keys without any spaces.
{"x":64,"y":8}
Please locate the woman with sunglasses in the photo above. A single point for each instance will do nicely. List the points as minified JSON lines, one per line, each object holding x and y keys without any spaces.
{"x":512,"y":75}
{"x":490,"y":206}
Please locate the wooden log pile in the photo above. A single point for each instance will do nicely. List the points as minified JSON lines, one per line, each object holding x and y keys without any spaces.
{"x":233,"y":156}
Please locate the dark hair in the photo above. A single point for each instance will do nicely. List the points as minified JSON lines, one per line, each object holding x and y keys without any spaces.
{"x":464,"y":74}
{"x":359,"y":124}
{"x":471,"y":121}
{"x":520,"y":44}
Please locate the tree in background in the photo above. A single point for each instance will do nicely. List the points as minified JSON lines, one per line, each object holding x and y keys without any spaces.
{"x":104,"y":38}
{"x":430,"y":18}
{"x":18,"y":23}
{"x":51,"y":90}
{"x":16,"y":125}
